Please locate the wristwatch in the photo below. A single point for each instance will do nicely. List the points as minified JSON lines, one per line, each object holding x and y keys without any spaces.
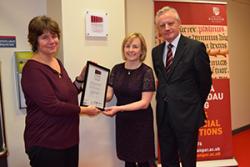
{"x":79,"y":81}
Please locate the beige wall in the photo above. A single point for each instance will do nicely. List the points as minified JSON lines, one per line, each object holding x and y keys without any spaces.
{"x":97,"y":144}
{"x":14,"y":18}
{"x":54,"y":10}
{"x":139,"y":17}
{"x":238,"y":33}
{"x":97,"y":139}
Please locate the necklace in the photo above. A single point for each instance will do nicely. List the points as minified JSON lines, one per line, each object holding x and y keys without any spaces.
{"x":59,"y":75}
{"x":131,"y":69}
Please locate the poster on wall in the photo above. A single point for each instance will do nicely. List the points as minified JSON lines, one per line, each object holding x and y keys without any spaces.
{"x":210,"y":27}
{"x":96,"y":24}
{"x":7,"y":41}
{"x":20,"y":58}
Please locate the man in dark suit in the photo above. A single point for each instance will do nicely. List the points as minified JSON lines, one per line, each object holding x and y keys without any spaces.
{"x":184,"y":81}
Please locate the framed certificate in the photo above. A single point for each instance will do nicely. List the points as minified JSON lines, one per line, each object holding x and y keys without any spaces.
{"x":95,"y":86}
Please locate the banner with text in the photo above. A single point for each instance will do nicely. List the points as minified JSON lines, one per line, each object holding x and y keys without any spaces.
{"x":207,"y":22}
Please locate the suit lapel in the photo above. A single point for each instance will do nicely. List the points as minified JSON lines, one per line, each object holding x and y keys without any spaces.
{"x":160,"y":55}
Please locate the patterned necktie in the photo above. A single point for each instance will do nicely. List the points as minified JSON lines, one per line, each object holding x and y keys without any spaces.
{"x":170,"y":57}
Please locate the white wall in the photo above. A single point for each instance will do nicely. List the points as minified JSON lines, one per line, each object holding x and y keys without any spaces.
{"x":97,"y":145}
{"x":14,"y":18}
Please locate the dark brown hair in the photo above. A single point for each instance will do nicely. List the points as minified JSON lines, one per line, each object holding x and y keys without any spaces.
{"x":37,"y":26}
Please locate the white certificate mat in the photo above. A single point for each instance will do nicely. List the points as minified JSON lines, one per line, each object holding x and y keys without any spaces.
{"x":95,"y":87}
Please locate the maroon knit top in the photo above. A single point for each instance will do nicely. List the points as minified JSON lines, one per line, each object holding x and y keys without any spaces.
{"x":52,"y":118}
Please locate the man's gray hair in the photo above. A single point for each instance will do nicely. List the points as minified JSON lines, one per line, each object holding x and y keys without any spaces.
{"x":164,"y":10}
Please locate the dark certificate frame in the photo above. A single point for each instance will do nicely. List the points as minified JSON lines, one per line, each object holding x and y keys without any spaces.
{"x":95,"y":86}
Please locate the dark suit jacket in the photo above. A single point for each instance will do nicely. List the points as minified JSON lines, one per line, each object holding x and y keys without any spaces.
{"x":182,"y":92}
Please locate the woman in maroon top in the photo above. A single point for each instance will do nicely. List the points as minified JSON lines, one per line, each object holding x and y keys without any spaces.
{"x":132,"y":82}
{"x":52,"y":122}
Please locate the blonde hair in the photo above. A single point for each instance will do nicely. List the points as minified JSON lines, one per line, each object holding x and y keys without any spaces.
{"x":129,"y":39}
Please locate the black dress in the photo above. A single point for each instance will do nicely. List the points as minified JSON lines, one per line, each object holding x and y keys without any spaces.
{"x":134,"y":129}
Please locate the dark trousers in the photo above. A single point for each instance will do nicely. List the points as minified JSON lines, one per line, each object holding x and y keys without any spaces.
{"x":45,"y":157}
{"x":176,"y":147}
{"x":137,"y":164}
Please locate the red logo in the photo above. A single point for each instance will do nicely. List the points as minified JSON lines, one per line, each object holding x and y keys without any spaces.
{"x":96,"y":19}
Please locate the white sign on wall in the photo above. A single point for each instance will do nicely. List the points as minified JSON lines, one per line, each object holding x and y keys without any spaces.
{"x":96,"y":24}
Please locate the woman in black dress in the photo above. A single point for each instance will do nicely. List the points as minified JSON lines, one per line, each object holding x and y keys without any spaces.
{"x":132,"y":82}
